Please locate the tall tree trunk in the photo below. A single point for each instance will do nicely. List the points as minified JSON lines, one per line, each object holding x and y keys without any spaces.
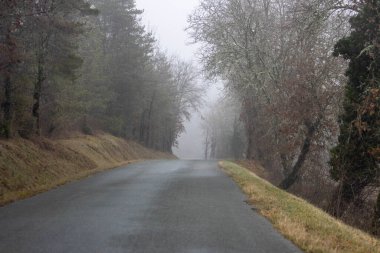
{"x":235,"y":143}
{"x":7,"y":106}
{"x":250,"y":155}
{"x":249,"y":114}
{"x":148,"y":140}
{"x":295,"y":171}
{"x":142,"y":127}
{"x":206,"y":145}
{"x":37,"y":93}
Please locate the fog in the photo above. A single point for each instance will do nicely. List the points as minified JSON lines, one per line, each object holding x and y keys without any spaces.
{"x":300,"y":105}
{"x":167,"y":19}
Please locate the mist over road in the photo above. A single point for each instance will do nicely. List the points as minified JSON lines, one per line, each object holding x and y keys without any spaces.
{"x":155,"y":206}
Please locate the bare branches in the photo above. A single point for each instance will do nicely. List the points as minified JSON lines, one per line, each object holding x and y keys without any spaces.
{"x":281,"y":67}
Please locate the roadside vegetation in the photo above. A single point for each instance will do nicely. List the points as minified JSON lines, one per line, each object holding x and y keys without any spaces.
{"x":28,"y":167}
{"x":302,"y":81}
{"x":310,"y":228}
{"x":84,"y":66}
{"x":78,"y":65}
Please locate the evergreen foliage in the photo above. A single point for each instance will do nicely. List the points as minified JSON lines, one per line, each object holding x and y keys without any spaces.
{"x":355,"y":161}
{"x":69,"y":65}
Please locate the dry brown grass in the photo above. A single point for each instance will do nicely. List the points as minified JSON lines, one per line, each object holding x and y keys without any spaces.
{"x":307,"y":226}
{"x":256,"y":168}
{"x":28,"y":167}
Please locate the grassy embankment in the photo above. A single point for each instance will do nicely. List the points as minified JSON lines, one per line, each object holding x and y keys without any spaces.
{"x":307,"y":226}
{"x":28,"y":167}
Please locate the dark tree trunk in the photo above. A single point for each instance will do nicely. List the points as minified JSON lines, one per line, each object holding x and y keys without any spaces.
{"x":249,"y":115}
{"x":234,"y":143}
{"x":37,"y":94}
{"x":206,"y":145}
{"x":250,"y":155}
{"x":7,"y":106}
{"x":295,"y":170}
{"x":142,"y":127}
{"x":148,"y":137}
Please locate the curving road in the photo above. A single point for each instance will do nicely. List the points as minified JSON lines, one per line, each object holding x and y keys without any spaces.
{"x":155,"y":206}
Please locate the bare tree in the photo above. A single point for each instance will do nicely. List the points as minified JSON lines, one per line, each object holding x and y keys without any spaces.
{"x":276,"y":55}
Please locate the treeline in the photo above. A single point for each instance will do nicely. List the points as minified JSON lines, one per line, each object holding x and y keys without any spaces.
{"x":280,"y":59}
{"x":223,"y":132}
{"x":69,"y":65}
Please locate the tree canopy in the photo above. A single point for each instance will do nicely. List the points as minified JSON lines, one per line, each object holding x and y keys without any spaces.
{"x":90,"y":66}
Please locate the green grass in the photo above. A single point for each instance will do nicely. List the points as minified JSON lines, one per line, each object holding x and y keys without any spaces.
{"x":308,"y":227}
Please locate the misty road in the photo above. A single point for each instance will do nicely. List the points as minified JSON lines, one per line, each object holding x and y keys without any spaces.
{"x":154,"y":206}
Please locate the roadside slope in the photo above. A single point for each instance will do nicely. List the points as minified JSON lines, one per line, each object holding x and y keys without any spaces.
{"x":307,"y":226}
{"x":28,"y":167}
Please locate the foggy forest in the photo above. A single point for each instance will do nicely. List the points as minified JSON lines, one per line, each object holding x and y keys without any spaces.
{"x":300,"y":98}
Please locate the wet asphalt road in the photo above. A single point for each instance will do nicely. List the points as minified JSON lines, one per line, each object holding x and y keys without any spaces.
{"x":155,"y":206}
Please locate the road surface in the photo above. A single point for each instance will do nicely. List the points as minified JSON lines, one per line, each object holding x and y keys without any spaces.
{"x":154,"y":206}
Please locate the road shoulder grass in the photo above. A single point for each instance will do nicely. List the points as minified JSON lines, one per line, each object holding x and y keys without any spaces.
{"x":308,"y":227}
{"x":13,"y":196}
{"x":30,"y":167}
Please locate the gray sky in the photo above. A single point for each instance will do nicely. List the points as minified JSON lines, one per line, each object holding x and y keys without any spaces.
{"x":168,"y":20}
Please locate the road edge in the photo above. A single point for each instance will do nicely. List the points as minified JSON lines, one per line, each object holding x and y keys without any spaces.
{"x":308,"y":227}
{"x":12,"y":197}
